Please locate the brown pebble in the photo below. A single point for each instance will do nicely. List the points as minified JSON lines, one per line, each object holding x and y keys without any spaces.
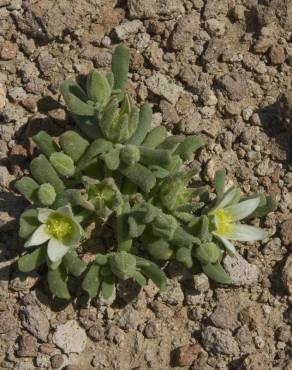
{"x":186,"y":355}
{"x":8,"y":50}
{"x":28,"y":346}
{"x":46,"y":348}
{"x":57,"y":361}
{"x":277,"y":54}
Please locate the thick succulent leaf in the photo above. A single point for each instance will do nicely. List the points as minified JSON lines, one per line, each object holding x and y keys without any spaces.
{"x":98,"y":88}
{"x":157,"y":247}
{"x":140,"y":176}
{"x":63,"y":164}
{"x":46,"y":194}
{"x":269,"y":206}
{"x":73,"y":145}
{"x":57,"y":280}
{"x":45,"y":143}
{"x":153,"y":272}
{"x":32,"y":261}
{"x":74,"y":264}
{"x":186,"y":149}
{"x":207,"y":253}
{"x":159,"y":157}
{"x":145,"y":118}
{"x":200,"y":228}
{"x":139,"y":278}
{"x":97,"y":147}
{"x":76,"y":99}
{"x":182,"y":238}
{"x":91,"y":281}
{"x":136,"y":227}
{"x":28,"y":223}
{"x":123,"y":265}
{"x":216,"y":273}
{"x":219,"y":181}
{"x":44,"y":172}
{"x":155,"y":137}
{"x":111,"y":79}
{"x":108,"y":287}
{"x":164,"y":226}
{"x":171,"y":142}
{"x":88,"y":125}
{"x":184,"y":256}
{"x":130,"y":154}
{"x":70,"y":196}
{"x":28,"y":188}
{"x":120,"y":66}
{"x":112,"y":159}
{"x":159,"y":172}
{"x":123,"y":237}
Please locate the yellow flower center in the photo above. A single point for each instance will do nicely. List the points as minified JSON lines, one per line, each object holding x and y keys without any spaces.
{"x":59,"y":226}
{"x":223,"y":221}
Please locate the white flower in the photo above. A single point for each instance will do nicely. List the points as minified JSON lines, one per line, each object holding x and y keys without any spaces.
{"x":58,"y":228}
{"x":225,"y":215}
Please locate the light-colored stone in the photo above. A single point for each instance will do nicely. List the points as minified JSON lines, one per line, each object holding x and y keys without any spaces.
{"x":2,"y":96}
{"x":219,"y":341}
{"x":241,"y":272}
{"x":160,"y":85}
{"x":70,"y":337}
{"x":154,"y":8}
{"x":127,"y":29}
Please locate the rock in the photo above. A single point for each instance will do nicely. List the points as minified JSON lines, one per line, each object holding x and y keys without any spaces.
{"x":186,"y":355}
{"x":286,"y":232}
{"x":21,"y":281}
{"x":287,"y":274}
{"x":46,"y":348}
{"x":57,"y":361}
{"x":208,"y":97}
{"x":128,"y":318}
{"x":127,"y":29}
{"x":8,"y":50}
{"x":154,"y":8}
{"x":154,"y":55}
{"x":169,"y":113}
{"x":186,"y":28}
{"x":247,"y":113}
{"x":277,"y":54}
{"x":211,"y":11}
{"x":241,"y":272}
{"x":215,"y":27}
{"x":284,"y":107}
{"x":233,"y":85}
{"x":28,"y":346}
{"x":219,"y":341}
{"x":43,"y":361}
{"x":5,"y":177}
{"x":152,"y":330}
{"x":16,"y":93}
{"x":214,"y":50}
{"x":225,"y":316}
{"x":100,"y":361}
{"x":72,"y":367}
{"x":7,"y":322}
{"x":70,"y":337}
{"x":2,"y":96}
{"x":96,"y":332}
{"x":256,"y":361}
{"x":159,"y":85}
{"x":35,"y":321}
{"x":173,"y":293}
{"x":201,"y":282}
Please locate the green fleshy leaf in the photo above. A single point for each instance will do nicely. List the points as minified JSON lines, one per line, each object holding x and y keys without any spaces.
{"x":74,"y":264}
{"x":120,"y":66}
{"x":91,"y":281}
{"x":108,"y":286}
{"x":28,"y":223}
{"x":155,"y":137}
{"x":140,"y":176}
{"x":76,"y":99}
{"x":186,"y":149}
{"x":28,"y":188}
{"x":157,"y":247}
{"x":184,"y":256}
{"x":112,"y":159}
{"x":145,"y":118}
{"x":171,"y":142}
{"x":98,"y":88}
{"x":63,"y":164}
{"x":153,"y":272}
{"x":57,"y":280}
{"x":88,"y":125}
{"x":70,"y":196}
{"x":44,"y":172}
{"x":207,"y":253}
{"x":216,"y":273}
{"x":46,"y":194}
{"x":130,"y":154}
{"x":164,"y":226}
{"x":32,"y":261}
{"x":158,"y":157}
{"x":123,"y":265}
{"x":139,"y":278}
{"x":99,"y":146}
{"x":45,"y":143}
{"x":73,"y":145}
{"x":219,"y":181}
{"x":123,"y":237}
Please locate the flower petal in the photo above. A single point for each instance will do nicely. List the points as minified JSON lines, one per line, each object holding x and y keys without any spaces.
{"x":232,"y":195}
{"x":245,"y":233}
{"x":56,"y":250}
{"x":66,"y":210}
{"x":43,"y":214}
{"x":243,"y":209}
{"x":39,"y":237}
{"x":227,"y":244}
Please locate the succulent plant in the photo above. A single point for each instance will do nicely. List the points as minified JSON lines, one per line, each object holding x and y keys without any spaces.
{"x":119,"y":171}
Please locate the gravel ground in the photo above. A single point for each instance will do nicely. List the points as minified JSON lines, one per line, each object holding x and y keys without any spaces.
{"x":219,"y":68}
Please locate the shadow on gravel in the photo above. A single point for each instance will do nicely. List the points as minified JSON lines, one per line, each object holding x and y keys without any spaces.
{"x":276,"y":129}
